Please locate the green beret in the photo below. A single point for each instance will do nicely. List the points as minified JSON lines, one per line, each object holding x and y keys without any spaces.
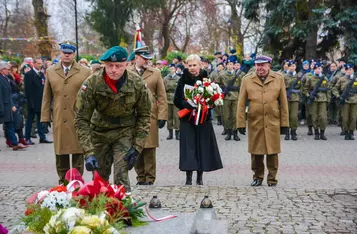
{"x":131,"y":57}
{"x":115,"y":54}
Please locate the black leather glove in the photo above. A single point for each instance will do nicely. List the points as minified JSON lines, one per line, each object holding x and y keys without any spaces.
{"x":241,"y":131}
{"x":91,"y":163}
{"x":187,"y":105}
{"x":283,"y":130}
{"x":161,"y":123}
{"x":131,"y":157}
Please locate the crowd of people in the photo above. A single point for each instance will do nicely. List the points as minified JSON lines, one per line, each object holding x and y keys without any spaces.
{"x":113,"y":117}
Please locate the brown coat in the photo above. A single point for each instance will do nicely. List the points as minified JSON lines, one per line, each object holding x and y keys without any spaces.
{"x":63,"y":91}
{"x":155,"y":84}
{"x":267,"y":112}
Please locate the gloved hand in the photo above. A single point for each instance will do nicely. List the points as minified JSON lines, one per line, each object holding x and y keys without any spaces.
{"x":91,"y":163}
{"x":283,"y":130}
{"x":161,"y":123}
{"x":342,"y":101}
{"x":188,"y":105}
{"x":241,"y":131}
{"x":131,"y":157}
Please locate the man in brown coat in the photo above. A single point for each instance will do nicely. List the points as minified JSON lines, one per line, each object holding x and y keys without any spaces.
{"x":62,"y":85}
{"x":267,"y":117}
{"x":145,"y":166}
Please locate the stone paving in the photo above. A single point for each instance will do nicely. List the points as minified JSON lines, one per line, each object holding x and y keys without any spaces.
{"x":317,"y":190}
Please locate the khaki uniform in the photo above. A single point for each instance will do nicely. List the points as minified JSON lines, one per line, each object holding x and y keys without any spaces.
{"x":304,"y":100}
{"x":145,"y":166}
{"x":267,"y":113}
{"x":109,"y":124}
{"x":349,"y":109}
{"x":318,"y":108}
{"x":62,"y":91}
{"x":336,"y":108}
{"x":218,"y":109}
{"x":173,"y":120}
{"x":230,"y":99}
{"x":293,"y":98}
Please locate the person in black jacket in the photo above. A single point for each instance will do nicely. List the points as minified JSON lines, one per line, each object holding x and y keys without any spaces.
{"x":198,"y":146}
{"x":7,"y":108}
{"x":34,"y":83}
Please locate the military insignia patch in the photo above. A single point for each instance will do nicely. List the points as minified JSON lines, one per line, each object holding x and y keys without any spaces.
{"x":113,"y":58}
{"x":84,"y":88}
{"x":355,"y":83}
{"x":324,"y":82}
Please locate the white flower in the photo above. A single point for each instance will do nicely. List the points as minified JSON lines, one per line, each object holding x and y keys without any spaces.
{"x":209,"y":90}
{"x":198,"y":82}
{"x":219,"y":102}
{"x":71,"y":215}
{"x":200,"y":89}
{"x":214,"y":85}
{"x":42,"y":194}
{"x":111,"y":230}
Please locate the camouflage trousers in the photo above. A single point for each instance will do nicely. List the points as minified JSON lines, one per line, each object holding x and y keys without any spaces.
{"x":173,"y":120}
{"x":349,"y":116}
{"x":229,"y":114}
{"x":110,"y":148}
{"x":318,"y":111}
{"x":293,"y":114}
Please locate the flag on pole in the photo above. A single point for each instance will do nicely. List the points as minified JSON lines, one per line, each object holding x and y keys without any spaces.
{"x":137,"y":38}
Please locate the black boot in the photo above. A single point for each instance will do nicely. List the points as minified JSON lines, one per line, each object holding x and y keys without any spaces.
{"x":235,"y":135}
{"x":199,"y":180}
{"x":293,"y":135}
{"x":287,"y":135}
{"x":170,"y":135}
{"x":347,"y":135}
{"x":310,"y":130}
{"x":219,"y":120}
{"x":225,"y":132}
{"x":188,"y":178}
{"x":322,"y":135}
{"x":342,"y":132}
{"x":229,"y":135}
{"x":352,"y":137}
{"x":177,"y":134}
{"x":317,"y":134}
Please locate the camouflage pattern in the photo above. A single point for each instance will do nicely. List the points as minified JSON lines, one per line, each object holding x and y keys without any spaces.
{"x":173,"y":121}
{"x":109,"y":124}
{"x":289,"y":80}
{"x":309,"y":85}
{"x":341,"y":86}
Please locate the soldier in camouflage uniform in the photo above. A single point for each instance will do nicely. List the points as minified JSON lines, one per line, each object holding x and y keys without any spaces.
{"x":230,"y":83}
{"x":348,"y":100}
{"x":113,"y":117}
{"x":173,"y":121}
{"x":293,"y":89}
{"x":214,"y":76}
{"x":318,"y":105}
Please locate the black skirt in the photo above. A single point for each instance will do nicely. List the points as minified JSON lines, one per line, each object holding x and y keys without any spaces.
{"x":198,"y":147}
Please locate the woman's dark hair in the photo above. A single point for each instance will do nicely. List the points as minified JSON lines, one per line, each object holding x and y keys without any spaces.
{"x":13,"y":65}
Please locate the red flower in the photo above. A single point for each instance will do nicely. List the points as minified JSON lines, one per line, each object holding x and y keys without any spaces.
{"x":29,"y":211}
{"x":116,"y":209}
{"x":206,"y":84}
{"x":59,"y":188}
{"x":215,"y":97}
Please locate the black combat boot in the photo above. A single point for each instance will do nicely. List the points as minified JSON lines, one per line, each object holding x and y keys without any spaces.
{"x":310,"y":130}
{"x":293,"y":135}
{"x":229,"y":135}
{"x":317,"y":134}
{"x":235,"y":135}
{"x":177,"y":134}
{"x":343,"y":132}
{"x":225,"y":132}
{"x":199,"y":180}
{"x":347,"y":135}
{"x":322,"y":135}
{"x":219,"y":120}
{"x":352,"y":137}
{"x":170,"y":135}
{"x":287,"y":135}
{"x":188,"y":178}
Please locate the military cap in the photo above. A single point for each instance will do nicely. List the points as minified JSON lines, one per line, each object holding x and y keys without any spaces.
{"x":252,"y":55}
{"x":226,"y":55}
{"x":263,"y":58}
{"x":220,"y":64}
{"x":67,"y":47}
{"x":291,"y":62}
{"x":172,"y":65}
{"x":231,"y":60}
{"x":306,"y":62}
{"x":233,"y":51}
{"x":143,"y":52}
{"x":178,"y":57}
{"x":236,"y":62}
{"x":317,"y":65}
{"x":115,"y":54}
{"x":180,"y":66}
{"x":131,"y":57}
{"x":94,"y":62}
{"x":348,"y":66}
{"x":218,"y":53}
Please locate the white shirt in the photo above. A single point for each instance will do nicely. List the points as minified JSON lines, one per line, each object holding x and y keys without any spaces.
{"x":37,"y":71}
{"x":65,"y":68}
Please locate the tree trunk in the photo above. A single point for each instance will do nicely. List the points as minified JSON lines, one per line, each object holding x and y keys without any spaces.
{"x":6,"y":24}
{"x":166,"y":37}
{"x":44,"y":44}
{"x":236,"y":22}
{"x":311,"y":40}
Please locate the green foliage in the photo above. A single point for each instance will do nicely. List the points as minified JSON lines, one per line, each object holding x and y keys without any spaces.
{"x":88,"y":57}
{"x":9,"y":58}
{"x":37,"y":220}
{"x":171,"y":55}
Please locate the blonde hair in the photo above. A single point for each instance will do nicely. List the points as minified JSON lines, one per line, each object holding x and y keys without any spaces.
{"x":193,"y":57}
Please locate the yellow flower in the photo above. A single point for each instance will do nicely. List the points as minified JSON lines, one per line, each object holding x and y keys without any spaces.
{"x":92,"y":221}
{"x":81,"y":230}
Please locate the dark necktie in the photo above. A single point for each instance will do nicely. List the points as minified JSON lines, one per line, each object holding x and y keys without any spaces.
{"x":66,"y":71}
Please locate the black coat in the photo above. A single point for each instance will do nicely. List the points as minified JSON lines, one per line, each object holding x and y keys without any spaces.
{"x":6,"y":103}
{"x":198,"y":145}
{"x":34,"y":84}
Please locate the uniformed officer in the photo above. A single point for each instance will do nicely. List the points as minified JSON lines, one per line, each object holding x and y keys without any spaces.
{"x":113,"y":117}
{"x":146,"y":165}
{"x":173,"y":121}
{"x":316,"y":90}
{"x":213,"y":76}
{"x":230,"y":83}
{"x":346,"y":91}
{"x":293,"y":87}
{"x":284,"y":67}
{"x":303,"y":109}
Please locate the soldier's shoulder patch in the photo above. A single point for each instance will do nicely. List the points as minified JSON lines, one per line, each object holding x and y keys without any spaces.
{"x":324,"y":81}
{"x":84,"y":87}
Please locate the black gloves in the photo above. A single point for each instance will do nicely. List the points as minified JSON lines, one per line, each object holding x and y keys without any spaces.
{"x":161,"y":123}
{"x":283,"y":130}
{"x":91,"y":163}
{"x":131,"y":157}
{"x":241,"y":131}
{"x":187,"y":105}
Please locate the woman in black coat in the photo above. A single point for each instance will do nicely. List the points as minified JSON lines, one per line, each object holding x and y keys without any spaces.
{"x":198,"y":146}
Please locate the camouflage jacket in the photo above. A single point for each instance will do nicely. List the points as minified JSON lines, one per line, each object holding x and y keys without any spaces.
{"x":341,"y":86}
{"x":323,"y":94}
{"x":99,"y":109}
{"x":170,"y":87}
{"x":224,"y":79}
{"x":291,"y":79}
